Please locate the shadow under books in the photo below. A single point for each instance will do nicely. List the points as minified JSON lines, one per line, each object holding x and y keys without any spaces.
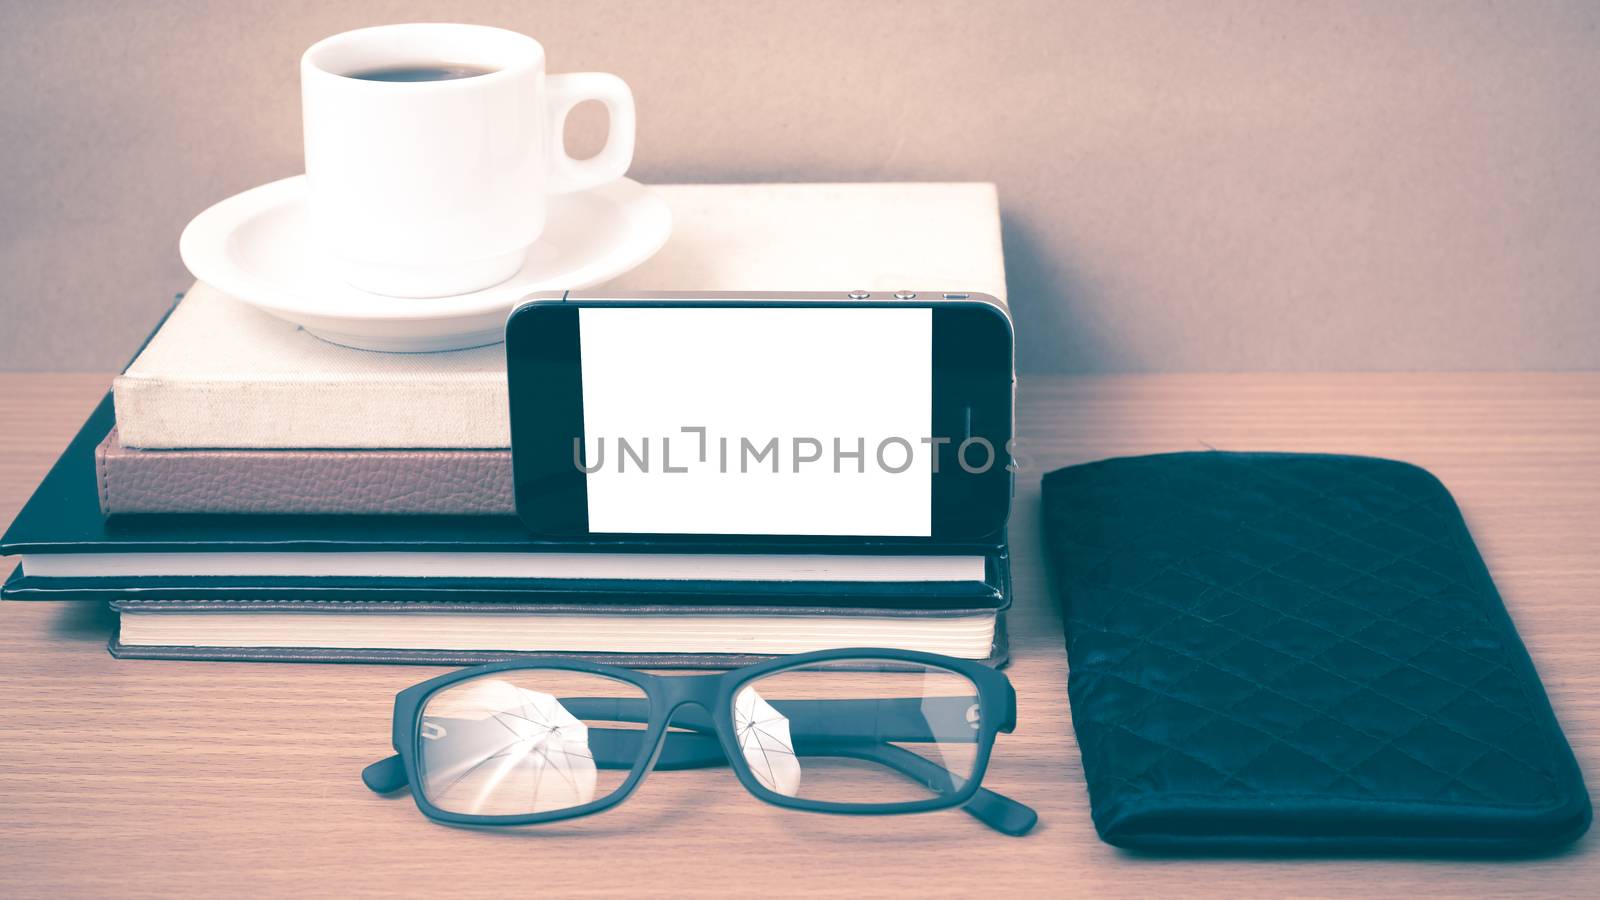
{"x":87,"y":622}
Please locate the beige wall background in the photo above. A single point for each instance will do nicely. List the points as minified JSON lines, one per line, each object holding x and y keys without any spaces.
{"x":1185,"y":185}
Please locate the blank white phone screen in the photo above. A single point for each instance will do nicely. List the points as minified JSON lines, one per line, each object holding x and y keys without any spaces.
{"x":748,"y":420}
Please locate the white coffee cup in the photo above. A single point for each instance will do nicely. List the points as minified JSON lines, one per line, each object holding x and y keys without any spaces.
{"x":435,"y":188}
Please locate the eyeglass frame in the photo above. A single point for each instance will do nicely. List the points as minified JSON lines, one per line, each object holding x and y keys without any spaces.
{"x":667,"y":695}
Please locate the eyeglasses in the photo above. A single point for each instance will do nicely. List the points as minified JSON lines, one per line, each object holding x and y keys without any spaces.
{"x":841,"y":731}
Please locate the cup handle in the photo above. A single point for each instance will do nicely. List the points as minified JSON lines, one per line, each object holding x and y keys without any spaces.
{"x":562,"y":93}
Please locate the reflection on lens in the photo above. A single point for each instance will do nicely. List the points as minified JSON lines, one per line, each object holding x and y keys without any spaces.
{"x":529,"y":740}
{"x":766,"y":743}
{"x":859,"y":731}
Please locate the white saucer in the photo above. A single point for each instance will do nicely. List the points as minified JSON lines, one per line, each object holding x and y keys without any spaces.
{"x":253,"y":246}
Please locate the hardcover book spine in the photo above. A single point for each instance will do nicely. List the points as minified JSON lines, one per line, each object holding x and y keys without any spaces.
{"x":364,"y":482}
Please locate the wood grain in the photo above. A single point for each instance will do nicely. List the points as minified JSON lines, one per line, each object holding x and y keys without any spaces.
{"x":191,"y":779}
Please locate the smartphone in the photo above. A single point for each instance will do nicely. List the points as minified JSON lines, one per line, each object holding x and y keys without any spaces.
{"x":768,"y":418}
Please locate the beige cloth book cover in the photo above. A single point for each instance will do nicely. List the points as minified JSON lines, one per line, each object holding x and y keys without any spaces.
{"x":221,"y":374}
{"x":307,"y":482}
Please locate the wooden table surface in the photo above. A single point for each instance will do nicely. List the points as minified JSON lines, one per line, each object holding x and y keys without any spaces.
{"x":172,"y":778}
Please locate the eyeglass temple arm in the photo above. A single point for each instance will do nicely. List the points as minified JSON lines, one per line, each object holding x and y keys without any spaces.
{"x":687,"y":750}
{"x":829,"y":728}
{"x":612,"y":748}
{"x":887,"y":719}
{"x":995,"y":810}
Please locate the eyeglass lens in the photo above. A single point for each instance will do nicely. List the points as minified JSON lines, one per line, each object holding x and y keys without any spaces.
{"x":528,"y":741}
{"x":860,"y":731}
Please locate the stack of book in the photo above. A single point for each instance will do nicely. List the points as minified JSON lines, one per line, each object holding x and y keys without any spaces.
{"x":248,"y":491}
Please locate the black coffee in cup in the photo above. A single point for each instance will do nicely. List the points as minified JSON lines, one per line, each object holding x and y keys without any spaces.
{"x":421,"y":71}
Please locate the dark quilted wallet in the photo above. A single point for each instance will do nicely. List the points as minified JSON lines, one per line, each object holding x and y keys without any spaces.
{"x":1297,"y":653}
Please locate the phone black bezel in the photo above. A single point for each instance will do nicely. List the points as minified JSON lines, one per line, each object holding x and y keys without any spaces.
{"x":972,"y":337}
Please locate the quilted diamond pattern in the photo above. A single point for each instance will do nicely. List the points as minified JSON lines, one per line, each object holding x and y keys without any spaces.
{"x":1286,"y":649}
